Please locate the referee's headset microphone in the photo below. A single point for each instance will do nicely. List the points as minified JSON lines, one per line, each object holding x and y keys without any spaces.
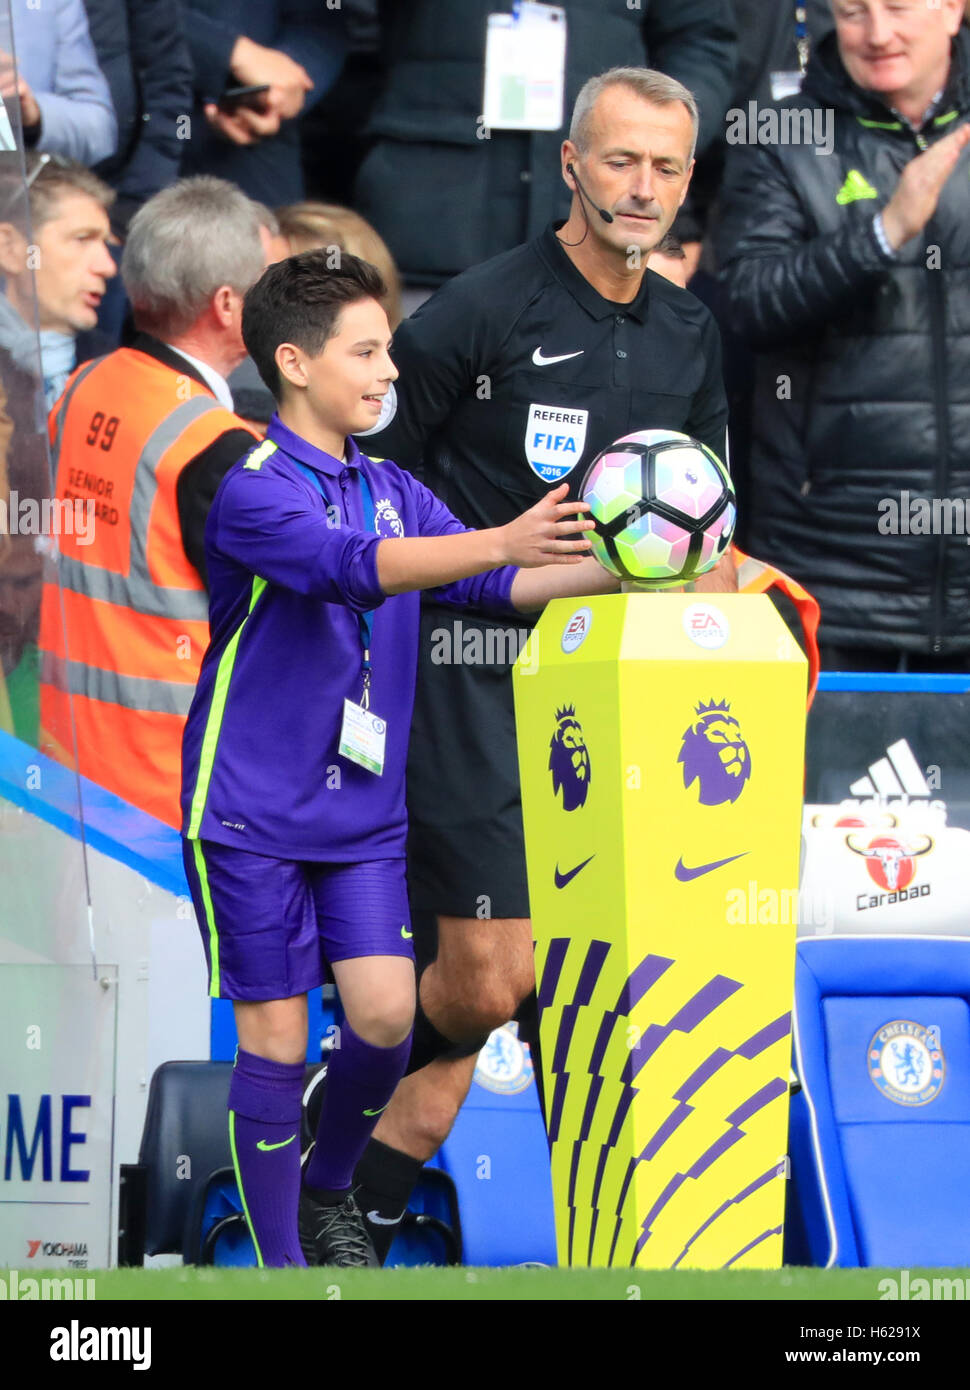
{"x":606,"y":216}
{"x":584,"y":198}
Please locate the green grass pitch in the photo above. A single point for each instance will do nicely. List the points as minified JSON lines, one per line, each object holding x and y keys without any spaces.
{"x":518,"y":1284}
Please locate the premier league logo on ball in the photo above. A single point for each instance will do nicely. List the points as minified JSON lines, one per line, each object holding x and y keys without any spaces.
{"x":715,"y":755}
{"x":569,"y":759}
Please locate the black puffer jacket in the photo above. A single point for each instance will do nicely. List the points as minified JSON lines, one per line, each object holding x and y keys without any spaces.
{"x":444,"y":198}
{"x":863,"y":375}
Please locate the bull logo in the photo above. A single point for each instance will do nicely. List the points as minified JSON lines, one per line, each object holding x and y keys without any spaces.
{"x":569,"y":759}
{"x":891,"y":863}
{"x":715,"y":755}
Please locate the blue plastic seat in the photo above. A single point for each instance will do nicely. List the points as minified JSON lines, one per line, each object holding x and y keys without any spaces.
{"x":880,"y":1132}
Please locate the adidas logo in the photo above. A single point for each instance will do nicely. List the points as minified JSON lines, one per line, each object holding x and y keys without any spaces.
{"x":856,"y":186}
{"x":895,"y":781}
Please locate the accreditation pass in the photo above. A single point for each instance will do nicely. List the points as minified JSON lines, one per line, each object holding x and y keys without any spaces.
{"x":362,"y":737}
{"x":525,"y":68}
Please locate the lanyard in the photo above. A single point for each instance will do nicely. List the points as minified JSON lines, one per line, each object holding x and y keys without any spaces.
{"x":801,"y":36}
{"x":365,"y":620}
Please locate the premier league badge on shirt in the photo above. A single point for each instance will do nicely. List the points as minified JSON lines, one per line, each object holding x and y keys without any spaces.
{"x":554,"y":440}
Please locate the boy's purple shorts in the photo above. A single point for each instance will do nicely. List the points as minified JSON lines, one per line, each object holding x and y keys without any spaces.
{"x":268,"y":924}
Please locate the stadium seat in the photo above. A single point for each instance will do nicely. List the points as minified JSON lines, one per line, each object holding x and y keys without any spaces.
{"x":185,"y":1139}
{"x":497,"y":1154}
{"x":880,"y":1132}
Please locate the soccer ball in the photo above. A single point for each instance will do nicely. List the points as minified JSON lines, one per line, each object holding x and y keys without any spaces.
{"x":664,"y":508}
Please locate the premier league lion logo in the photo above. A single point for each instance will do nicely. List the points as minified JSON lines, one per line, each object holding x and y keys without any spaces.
{"x":569,"y":759}
{"x":715,"y":755}
{"x":388,"y":521}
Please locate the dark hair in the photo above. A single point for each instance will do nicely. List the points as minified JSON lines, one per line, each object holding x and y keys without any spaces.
{"x":669,"y":245}
{"x":299,"y":301}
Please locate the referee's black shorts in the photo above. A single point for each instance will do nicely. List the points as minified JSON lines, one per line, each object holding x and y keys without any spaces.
{"x":466,"y":856}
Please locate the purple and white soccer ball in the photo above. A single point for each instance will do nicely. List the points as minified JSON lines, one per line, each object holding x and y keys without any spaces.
{"x":664,"y":508}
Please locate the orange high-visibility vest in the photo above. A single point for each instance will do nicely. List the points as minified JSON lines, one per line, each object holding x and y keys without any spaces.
{"x":135,"y":610}
{"x":755,"y":576}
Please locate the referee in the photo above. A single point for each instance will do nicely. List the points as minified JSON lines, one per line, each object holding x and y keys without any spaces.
{"x":512,"y":378}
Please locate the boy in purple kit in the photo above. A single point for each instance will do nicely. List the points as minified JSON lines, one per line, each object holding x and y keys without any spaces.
{"x":295,"y":746}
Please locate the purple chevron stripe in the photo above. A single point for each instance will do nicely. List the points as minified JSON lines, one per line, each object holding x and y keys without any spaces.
{"x":673,"y":1121}
{"x":769,"y":1092}
{"x":672,"y":1187}
{"x":698,"y":1007}
{"x":771,"y":1033}
{"x":704,"y":1072}
{"x":727,"y":1140}
{"x":644,"y":977}
{"x":616,"y":1237}
{"x":725,"y":1206}
{"x":640,"y":980}
{"x":571,"y":1197}
{"x":775,"y":1231}
{"x":596,"y":954}
{"x":720,"y":1146}
{"x":596,"y":1085}
{"x":551,"y":971}
{"x":602,"y":1040}
{"x":592,"y":1235}
{"x":758,"y":1042}
{"x":558,"y":1098}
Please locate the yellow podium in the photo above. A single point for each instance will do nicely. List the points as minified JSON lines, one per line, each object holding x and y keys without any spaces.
{"x":661,"y":741}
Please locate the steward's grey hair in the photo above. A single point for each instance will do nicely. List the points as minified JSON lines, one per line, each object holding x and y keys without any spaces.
{"x":186,"y":242}
{"x":646,"y":83}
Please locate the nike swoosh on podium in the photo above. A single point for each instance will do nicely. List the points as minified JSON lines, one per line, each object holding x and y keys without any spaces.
{"x":563,"y":879}
{"x":684,"y":875}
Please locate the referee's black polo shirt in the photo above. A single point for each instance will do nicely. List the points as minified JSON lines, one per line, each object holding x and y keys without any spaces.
{"x":517,"y":373}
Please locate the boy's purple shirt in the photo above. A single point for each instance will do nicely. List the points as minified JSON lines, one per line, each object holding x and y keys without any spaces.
{"x":268,"y":768}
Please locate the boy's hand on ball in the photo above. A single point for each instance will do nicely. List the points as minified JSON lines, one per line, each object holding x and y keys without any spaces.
{"x":550,"y":533}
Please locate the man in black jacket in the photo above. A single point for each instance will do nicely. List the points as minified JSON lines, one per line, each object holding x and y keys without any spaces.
{"x":432,"y":143}
{"x":144,"y":56}
{"x":846,"y":260}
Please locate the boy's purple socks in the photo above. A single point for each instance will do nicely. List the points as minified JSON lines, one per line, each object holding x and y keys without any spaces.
{"x":264,"y":1133}
{"x":361,"y":1079}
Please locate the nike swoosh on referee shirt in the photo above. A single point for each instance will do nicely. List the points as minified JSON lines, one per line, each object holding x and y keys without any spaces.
{"x":541,"y":361}
{"x":684,"y":875}
{"x":377,"y":1112}
{"x":281,"y":1145}
{"x":563,"y":879}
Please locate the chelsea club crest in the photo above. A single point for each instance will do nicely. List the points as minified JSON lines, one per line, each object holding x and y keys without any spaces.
{"x":906,"y":1062}
{"x":504,"y":1064}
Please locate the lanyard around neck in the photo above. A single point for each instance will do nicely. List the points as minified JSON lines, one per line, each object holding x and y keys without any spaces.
{"x":365,"y":620}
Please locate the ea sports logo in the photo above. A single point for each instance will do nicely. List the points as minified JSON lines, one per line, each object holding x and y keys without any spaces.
{"x":576,"y":630}
{"x":706,"y":626}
